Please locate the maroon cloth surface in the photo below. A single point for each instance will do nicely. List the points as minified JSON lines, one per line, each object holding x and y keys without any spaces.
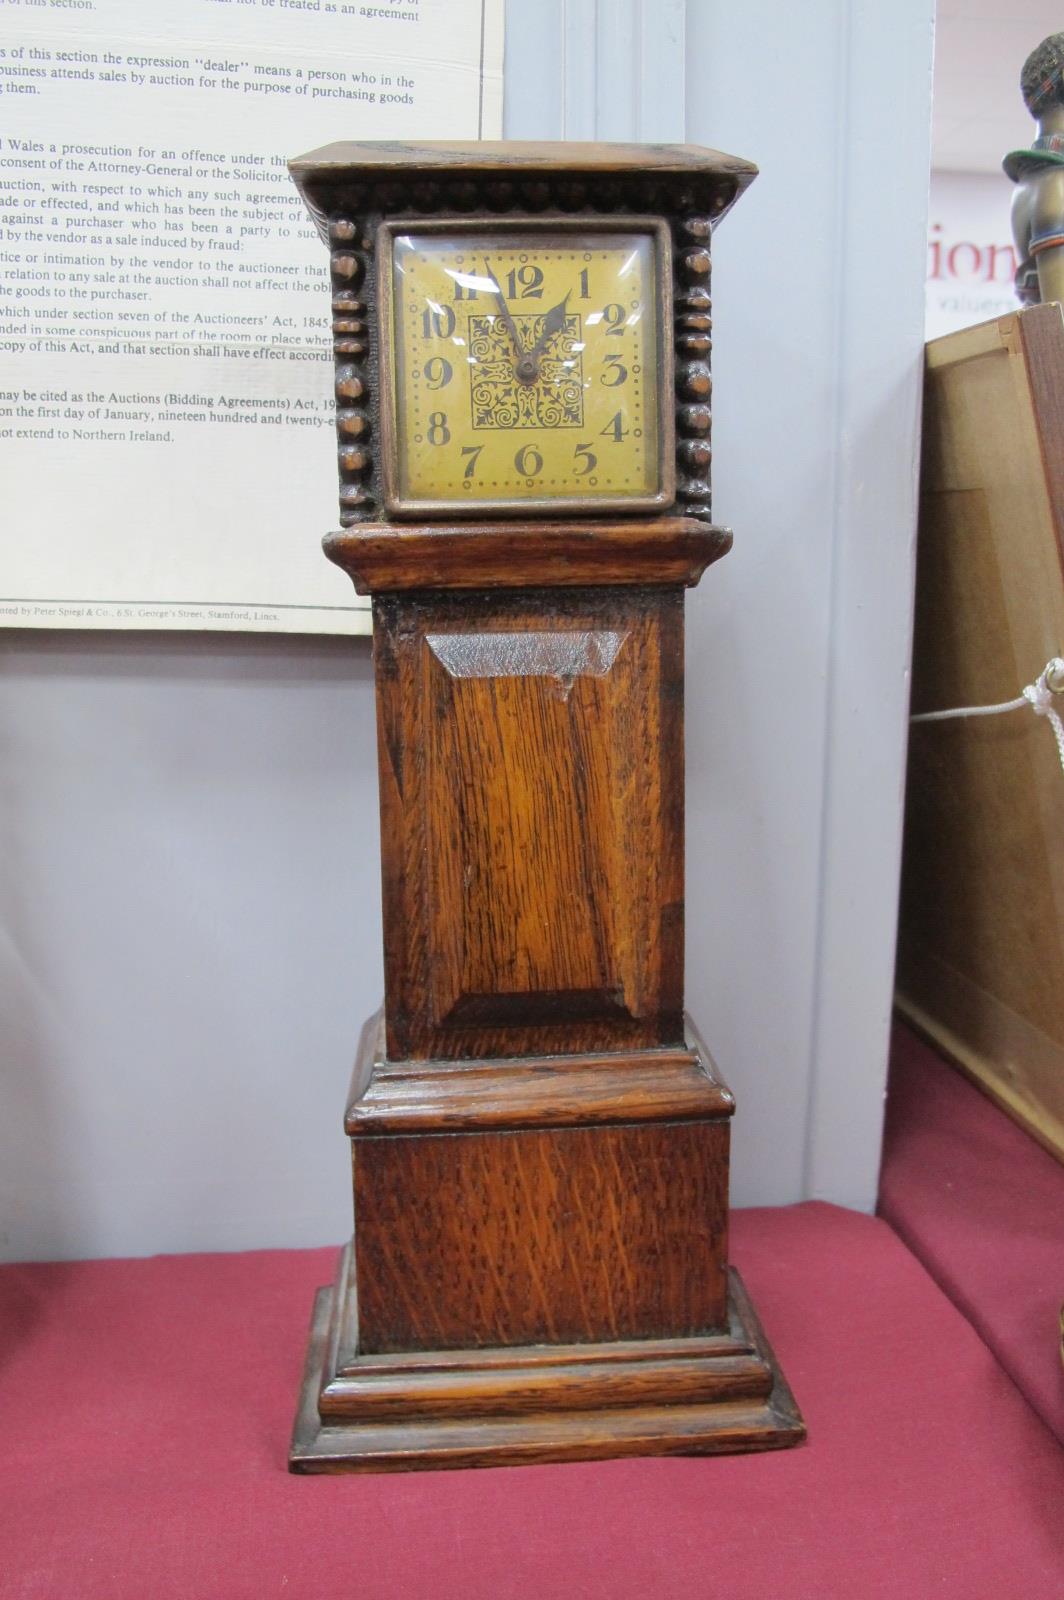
{"x":145,"y":1409}
{"x":982,"y":1206}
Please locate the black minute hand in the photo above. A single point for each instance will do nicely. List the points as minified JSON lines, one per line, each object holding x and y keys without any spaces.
{"x":505,"y":317}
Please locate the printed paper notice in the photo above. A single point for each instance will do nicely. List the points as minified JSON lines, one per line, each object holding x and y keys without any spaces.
{"x":167,"y":448}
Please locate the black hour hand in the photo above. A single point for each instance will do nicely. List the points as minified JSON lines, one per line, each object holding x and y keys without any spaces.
{"x":553,"y":323}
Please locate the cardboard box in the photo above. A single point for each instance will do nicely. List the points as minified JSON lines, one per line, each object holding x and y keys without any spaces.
{"x":981,"y":933}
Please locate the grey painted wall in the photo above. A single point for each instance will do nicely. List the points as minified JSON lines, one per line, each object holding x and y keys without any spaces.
{"x":189,"y":907}
{"x":190,"y":938}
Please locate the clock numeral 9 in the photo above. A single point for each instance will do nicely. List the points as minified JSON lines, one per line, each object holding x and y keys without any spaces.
{"x":528,"y":461}
{"x":438,"y":431}
{"x":438,"y":320}
{"x":438,"y":373}
{"x":614,"y":372}
{"x":588,"y":461}
{"x":613,"y":317}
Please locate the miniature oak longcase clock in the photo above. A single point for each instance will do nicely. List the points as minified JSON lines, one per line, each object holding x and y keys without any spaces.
{"x":539,"y":1138}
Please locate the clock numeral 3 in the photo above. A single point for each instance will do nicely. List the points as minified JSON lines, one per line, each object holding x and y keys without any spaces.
{"x":439,"y":432}
{"x":613,"y":373}
{"x":528,"y":461}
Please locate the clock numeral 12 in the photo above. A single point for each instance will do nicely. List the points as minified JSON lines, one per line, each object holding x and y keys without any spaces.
{"x":524,"y":283}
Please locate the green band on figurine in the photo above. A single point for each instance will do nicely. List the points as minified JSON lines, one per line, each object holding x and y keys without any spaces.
{"x":1038,"y":206}
{"x":1045,"y":151}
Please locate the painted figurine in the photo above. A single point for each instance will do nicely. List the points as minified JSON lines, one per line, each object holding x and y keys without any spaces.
{"x":1038,"y":206}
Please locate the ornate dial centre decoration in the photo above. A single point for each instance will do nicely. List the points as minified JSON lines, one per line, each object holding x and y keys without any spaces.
{"x":552,"y":398}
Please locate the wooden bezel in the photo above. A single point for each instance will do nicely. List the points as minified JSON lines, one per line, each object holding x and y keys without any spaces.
{"x":400,"y":506}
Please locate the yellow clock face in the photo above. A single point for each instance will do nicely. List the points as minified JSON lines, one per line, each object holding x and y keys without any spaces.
{"x":526,"y":368}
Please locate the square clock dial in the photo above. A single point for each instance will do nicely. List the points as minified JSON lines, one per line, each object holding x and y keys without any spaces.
{"x":527,"y":367}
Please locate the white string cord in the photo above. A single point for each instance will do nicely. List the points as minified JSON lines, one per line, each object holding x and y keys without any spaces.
{"x":1038,"y":695}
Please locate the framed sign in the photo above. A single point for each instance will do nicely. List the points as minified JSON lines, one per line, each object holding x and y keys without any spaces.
{"x":165,"y":432}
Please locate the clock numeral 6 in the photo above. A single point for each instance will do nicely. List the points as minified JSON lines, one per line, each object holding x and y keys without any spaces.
{"x":614,"y":372}
{"x":438,"y":431}
{"x":438,"y":373}
{"x":588,"y":461}
{"x":528,"y":461}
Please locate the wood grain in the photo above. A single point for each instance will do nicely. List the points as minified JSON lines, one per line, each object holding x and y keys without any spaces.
{"x":546,"y":1431}
{"x":541,"y":1236}
{"x":510,"y":1381}
{"x":572,"y":1386}
{"x":503,"y":155}
{"x":348,"y":1360}
{"x":532,"y":819}
{"x":542,"y":1092}
{"x":667,"y":550}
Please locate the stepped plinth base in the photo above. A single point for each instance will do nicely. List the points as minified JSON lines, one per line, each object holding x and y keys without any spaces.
{"x":511,"y":1406}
